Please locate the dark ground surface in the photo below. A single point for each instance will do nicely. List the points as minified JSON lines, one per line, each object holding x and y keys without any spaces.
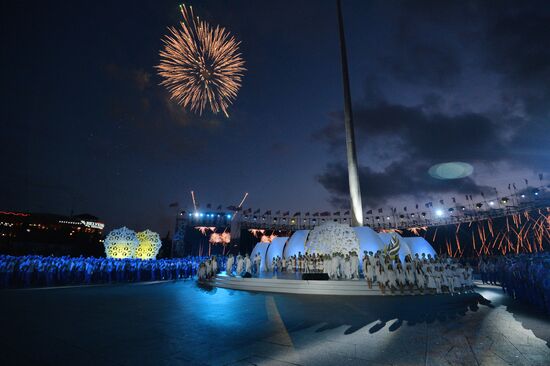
{"x":179,"y":323}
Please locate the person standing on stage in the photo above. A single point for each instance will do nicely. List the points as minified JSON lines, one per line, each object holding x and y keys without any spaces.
{"x":247,"y":264}
{"x":229,"y":265}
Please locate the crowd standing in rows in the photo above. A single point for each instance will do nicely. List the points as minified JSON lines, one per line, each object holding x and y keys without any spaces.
{"x":525,"y":277}
{"x":35,"y":270}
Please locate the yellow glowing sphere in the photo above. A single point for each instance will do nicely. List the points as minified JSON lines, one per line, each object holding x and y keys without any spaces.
{"x":121,"y":243}
{"x":149,"y":244}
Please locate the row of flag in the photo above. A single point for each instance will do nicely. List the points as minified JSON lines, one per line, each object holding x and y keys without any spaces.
{"x":469,"y":198}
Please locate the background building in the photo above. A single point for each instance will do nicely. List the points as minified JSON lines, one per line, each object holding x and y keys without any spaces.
{"x":49,"y":234}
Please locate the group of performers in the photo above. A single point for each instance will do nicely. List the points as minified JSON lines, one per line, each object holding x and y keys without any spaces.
{"x":417,"y":273}
{"x":435,"y":275}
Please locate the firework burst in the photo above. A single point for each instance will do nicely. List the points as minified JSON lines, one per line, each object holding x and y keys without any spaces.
{"x":201,"y":64}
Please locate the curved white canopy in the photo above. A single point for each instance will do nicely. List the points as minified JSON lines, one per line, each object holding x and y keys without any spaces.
{"x":261,"y":248}
{"x":419,"y":245}
{"x":368,"y":240}
{"x":275,"y":249}
{"x":296,"y":243}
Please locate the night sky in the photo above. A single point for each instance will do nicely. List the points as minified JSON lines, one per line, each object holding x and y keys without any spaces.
{"x":87,"y":128}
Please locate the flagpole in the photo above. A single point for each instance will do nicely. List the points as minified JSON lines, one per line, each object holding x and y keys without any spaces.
{"x":353,"y":176}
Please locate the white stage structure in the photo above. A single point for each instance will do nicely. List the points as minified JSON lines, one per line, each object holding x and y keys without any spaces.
{"x":275,"y":249}
{"x":420,"y":245}
{"x":369,"y":240}
{"x":296,"y":244}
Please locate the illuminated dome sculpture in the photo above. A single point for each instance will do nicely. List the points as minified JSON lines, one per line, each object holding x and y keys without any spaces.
{"x":332,"y":237}
{"x":121,"y":243}
{"x":149,"y":244}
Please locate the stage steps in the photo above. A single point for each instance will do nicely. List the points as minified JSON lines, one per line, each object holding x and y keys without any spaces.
{"x":341,"y":288}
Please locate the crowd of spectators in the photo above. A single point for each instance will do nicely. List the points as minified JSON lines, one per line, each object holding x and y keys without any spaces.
{"x":525,"y":277}
{"x":37,"y":271}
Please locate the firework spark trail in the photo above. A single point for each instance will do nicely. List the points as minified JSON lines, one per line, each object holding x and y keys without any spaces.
{"x":490,"y":226}
{"x":201,"y":65}
{"x":204,"y":229}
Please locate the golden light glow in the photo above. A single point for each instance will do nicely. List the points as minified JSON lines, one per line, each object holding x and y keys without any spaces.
{"x":201,"y":64}
{"x":121,"y":243}
{"x":149,"y":245}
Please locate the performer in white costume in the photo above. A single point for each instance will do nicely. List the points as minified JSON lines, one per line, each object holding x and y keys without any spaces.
{"x":247,"y":264}
{"x":400,"y":274}
{"x":214,"y":266}
{"x":368,"y":271}
{"x":420,"y":278}
{"x":354,"y":259}
{"x":229,"y":265}
{"x":208,"y":268}
{"x":392,"y":278}
{"x":240,"y":263}
{"x":381,"y":277}
{"x":450,"y":277}
{"x":409,"y":276}
{"x":335,"y":265}
{"x":257,"y":263}
{"x":430,"y":279}
{"x":437,"y":278}
{"x":469,"y":275}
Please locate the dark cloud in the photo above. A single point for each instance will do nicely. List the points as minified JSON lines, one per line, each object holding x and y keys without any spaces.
{"x":519,"y":50}
{"x":421,"y":135}
{"x":406,"y":178}
{"x":410,"y":140}
{"x":456,"y":81}
{"x":425,"y":64}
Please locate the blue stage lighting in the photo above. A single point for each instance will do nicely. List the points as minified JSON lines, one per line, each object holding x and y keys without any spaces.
{"x":439,"y":213}
{"x":196,"y":214}
{"x":228,"y":216}
{"x":201,"y":214}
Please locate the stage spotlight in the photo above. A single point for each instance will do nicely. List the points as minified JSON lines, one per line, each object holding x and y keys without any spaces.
{"x":463,"y":208}
{"x":196,"y":214}
{"x":522,"y":196}
{"x":201,"y":215}
{"x":491,"y":203}
{"x":504,"y":200}
{"x":228,"y":216}
{"x":478,"y":205}
{"x":439,"y":213}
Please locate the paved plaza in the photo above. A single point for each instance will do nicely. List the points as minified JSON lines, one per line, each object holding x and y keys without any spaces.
{"x":179,"y":323}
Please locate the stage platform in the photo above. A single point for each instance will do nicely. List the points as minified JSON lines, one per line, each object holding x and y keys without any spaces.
{"x":291,"y":283}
